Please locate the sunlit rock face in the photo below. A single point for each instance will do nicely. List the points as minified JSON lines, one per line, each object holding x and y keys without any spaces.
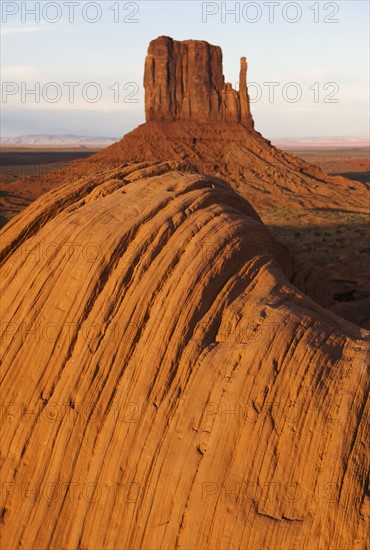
{"x":184,"y":80}
{"x":164,"y":383}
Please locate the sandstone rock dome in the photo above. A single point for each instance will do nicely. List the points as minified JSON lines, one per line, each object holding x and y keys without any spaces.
{"x":165,"y":384}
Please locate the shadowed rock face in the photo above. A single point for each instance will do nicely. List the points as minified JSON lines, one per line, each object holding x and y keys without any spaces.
{"x":184,"y":80}
{"x":165,"y":385}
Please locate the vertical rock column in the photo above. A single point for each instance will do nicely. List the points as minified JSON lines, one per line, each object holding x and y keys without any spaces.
{"x":245,"y":112}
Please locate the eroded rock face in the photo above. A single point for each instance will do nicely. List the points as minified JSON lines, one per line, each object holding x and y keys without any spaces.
{"x":164,"y":383}
{"x":184,"y":80}
{"x":214,"y":132}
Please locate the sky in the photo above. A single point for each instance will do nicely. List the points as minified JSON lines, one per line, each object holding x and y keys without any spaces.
{"x":308,"y":62}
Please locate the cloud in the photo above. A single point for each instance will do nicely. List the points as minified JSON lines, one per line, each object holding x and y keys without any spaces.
{"x":21,"y":72}
{"x":6,"y":31}
{"x":17,"y":121}
{"x":164,"y":4}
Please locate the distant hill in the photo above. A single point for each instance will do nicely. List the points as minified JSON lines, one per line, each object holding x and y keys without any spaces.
{"x":57,"y":140}
{"x":321,"y":142}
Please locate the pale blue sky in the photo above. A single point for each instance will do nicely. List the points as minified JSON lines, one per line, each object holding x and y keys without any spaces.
{"x":311,"y":54}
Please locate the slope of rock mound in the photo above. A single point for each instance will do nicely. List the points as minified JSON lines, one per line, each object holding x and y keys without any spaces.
{"x":259,"y":172}
{"x":166,"y":384}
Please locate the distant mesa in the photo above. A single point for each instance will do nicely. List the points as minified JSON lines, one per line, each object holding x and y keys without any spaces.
{"x":322,"y":142}
{"x":51,"y":140}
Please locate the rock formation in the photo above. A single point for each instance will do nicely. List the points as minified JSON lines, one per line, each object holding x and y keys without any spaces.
{"x":193,"y":116}
{"x":184,"y":81}
{"x":170,"y":377}
{"x":164,"y":382}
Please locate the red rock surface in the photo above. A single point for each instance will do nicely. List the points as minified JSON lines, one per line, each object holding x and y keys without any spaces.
{"x":216,"y":136}
{"x":184,"y":81}
{"x":165,"y":382}
{"x":193,"y":116}
{"x":169,"y":375}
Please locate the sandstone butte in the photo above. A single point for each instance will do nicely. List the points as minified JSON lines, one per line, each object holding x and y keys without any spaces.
{"x":170,"y":377}
{"x":193,"y":115}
